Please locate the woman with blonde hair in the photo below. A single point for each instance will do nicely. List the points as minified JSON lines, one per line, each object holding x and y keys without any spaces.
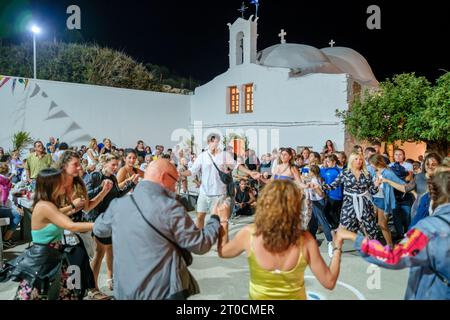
{"x":425,"y":248}
{"x":107,"y":146}
{"x":92,"y":153}
{"x":94,"y":185}
{"x":277,"y":248}
{"x":357,"y":208}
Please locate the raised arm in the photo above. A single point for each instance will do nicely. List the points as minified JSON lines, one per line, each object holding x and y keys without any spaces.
{"x":93,"y":203}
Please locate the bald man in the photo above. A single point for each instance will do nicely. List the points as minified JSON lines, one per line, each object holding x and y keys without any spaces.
{"x":146,"y":265}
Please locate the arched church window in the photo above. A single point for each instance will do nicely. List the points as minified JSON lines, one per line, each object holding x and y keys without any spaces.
{"x":240,"y":48}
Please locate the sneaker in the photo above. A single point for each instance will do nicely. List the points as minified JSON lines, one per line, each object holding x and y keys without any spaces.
{"x":8,"y":244}
{"x":97,"y":295}
{"x":330,"y":249}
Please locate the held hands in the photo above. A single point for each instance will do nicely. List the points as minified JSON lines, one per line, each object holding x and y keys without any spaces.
{"x":79,"y":204}
{"x":338,"y":241}
{"x":255,"y":175}
{"x":134,"y":178}
{"x":222,"y":209}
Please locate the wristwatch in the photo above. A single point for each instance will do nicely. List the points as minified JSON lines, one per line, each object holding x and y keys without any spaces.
{"x":73,"y":206}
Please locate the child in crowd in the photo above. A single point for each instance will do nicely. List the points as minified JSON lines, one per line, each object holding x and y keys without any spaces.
{"x":316,"y":198}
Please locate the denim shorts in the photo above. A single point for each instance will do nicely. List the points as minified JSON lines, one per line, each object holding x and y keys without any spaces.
{"x":379,"y":203}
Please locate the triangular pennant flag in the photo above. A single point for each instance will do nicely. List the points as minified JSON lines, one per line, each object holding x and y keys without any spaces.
{"x":36,"y":91}
{"x":58,"y":115}
{"x":26,"y":83}
{"x":20,"y":80}
{"x":5,"y":80}
{"x":44,"y":94}
{"x":14,"y":85}
{"x":84,"y":138}
{"x":1,"y":78}
{"x":53,"y":105}
{"x":74,"y":126}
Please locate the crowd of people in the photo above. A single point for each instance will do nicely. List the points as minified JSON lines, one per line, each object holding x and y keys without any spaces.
{"x":105,"y":202}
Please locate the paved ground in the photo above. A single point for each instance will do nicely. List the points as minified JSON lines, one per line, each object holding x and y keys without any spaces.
{"x":228,"y":279}
{"x":221,"y":279}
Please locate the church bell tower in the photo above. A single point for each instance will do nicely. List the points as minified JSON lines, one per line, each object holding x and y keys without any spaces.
{"x":243,"y":36}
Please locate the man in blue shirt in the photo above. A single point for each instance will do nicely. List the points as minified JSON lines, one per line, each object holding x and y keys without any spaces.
{"x":52,"y":142}
{"x":334,"y":197}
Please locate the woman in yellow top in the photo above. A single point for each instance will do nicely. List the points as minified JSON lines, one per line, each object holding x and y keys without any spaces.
{"x":277,"y":248}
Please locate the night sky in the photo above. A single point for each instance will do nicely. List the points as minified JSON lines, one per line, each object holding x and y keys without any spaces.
{"x":191,"y":37}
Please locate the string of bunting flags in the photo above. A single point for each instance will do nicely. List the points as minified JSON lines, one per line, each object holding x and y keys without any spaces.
{"x":52,"y":113}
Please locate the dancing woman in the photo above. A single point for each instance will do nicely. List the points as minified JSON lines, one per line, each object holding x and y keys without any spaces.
{"x":357,"y":208}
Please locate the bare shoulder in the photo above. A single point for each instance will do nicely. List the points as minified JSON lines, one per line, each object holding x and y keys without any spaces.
{"x":245,"y":235}
{"x":308,"y":239}
{"x":309,"y":242}
{"x":43,"y":207}
{"x":247,"y":230}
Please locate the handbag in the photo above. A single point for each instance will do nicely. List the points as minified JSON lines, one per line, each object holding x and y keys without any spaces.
{"x":226,"y":178}
{"x":189,"y":282}
{"x":185,"y":200}
{"x":186,"y":254}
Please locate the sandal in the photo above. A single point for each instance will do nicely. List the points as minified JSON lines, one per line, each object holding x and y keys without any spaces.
{"x":97,"y":295}
{"x":110,"y":284}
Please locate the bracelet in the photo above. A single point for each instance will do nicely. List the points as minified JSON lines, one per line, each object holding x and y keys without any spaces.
{"x":73,"y":206}
{"x":337,"y":249}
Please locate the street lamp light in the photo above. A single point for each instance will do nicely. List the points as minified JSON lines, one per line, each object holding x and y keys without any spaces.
{"x":35,"y":30}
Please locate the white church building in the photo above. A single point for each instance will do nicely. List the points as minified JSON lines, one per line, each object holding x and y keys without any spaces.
{"x":284,"y":95}
{"x":288,"y":91}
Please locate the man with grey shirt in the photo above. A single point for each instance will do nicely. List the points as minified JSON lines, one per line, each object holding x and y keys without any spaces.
{"x":146,"y":265}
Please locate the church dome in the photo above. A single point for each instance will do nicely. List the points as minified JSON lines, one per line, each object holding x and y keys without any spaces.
{"x":302,"y":59}
{"x":353,"y":63}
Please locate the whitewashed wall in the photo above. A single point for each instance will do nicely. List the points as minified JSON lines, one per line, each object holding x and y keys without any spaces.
{"x":75,"y":112}
{"x":303,"y":109}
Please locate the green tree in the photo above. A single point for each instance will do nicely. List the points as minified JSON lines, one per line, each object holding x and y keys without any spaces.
{"x":21,"y":140}
{"x":405,"y":108}
{"x":434,"y":119}
{"x":83,"y":63}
